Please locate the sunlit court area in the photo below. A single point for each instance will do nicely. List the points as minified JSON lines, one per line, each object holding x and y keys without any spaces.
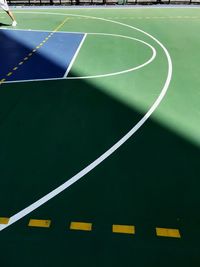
{"x":100,"y":133}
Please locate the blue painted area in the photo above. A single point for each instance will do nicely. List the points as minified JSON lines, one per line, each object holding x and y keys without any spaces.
{"x":49,"y":61}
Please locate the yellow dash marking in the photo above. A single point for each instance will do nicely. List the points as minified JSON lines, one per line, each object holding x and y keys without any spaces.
{"x":59,"y":26}
{"x":123,"y":229}
{"x":168,"y":232}
{"x":15,"y":68}
{"x":2,"y":80}
{"x":10,"y":73}
{"x":26,"y":58}
{"x":4,"y":220}
{"x":81,"y":226}
{"x":20,"y":63}
{"x":39,"y":223}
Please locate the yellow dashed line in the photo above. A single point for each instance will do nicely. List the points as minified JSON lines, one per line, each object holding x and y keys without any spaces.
{"x":10,"y":73}
{"x":123,"y":229}
{"x":4,"y":220}
{"x":82,"y":226}
{"x":155,"y":17}
{"x":85,"y":226}
{"x":166,"y":232}
{"x":34,"y":50}
{"x":57,"y":28}
{"x":39,"y":223}
{"x":2,"y":81}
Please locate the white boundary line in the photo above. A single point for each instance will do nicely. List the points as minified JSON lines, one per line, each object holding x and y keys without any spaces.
{"x":75,"y":55}
{"x":35,"y":80}
{"x":111,"y":150}
{"x":31,"y":30}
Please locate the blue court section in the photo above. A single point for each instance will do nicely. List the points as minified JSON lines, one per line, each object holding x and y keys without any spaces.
{"x":51,"y":60}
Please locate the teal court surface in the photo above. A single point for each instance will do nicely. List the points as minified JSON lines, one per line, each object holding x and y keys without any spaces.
{"x":99,"y":137}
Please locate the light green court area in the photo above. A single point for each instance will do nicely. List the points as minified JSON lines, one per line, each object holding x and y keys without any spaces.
{"x":140,"y":206}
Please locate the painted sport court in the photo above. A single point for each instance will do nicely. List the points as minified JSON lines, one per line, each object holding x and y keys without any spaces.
{"x":99,"y":126}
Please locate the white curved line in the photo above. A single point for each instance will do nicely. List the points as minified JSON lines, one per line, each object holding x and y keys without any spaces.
{"x":105,"y":155}
{"x":123,"y":71}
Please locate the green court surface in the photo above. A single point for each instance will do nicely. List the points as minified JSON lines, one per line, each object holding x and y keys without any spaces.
{"x":134,"y":204}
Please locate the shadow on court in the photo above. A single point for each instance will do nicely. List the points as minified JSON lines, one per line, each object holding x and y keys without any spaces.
{"x":51,"y":130}
{"x":5,"y":24}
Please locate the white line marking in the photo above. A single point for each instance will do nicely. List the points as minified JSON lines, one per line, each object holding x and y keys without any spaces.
{"x":45,"y":31}
{"x":123,"y":71}
{"x":105,"y":155}
{"x":36,"y":80}
{"x":75,"y":55}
